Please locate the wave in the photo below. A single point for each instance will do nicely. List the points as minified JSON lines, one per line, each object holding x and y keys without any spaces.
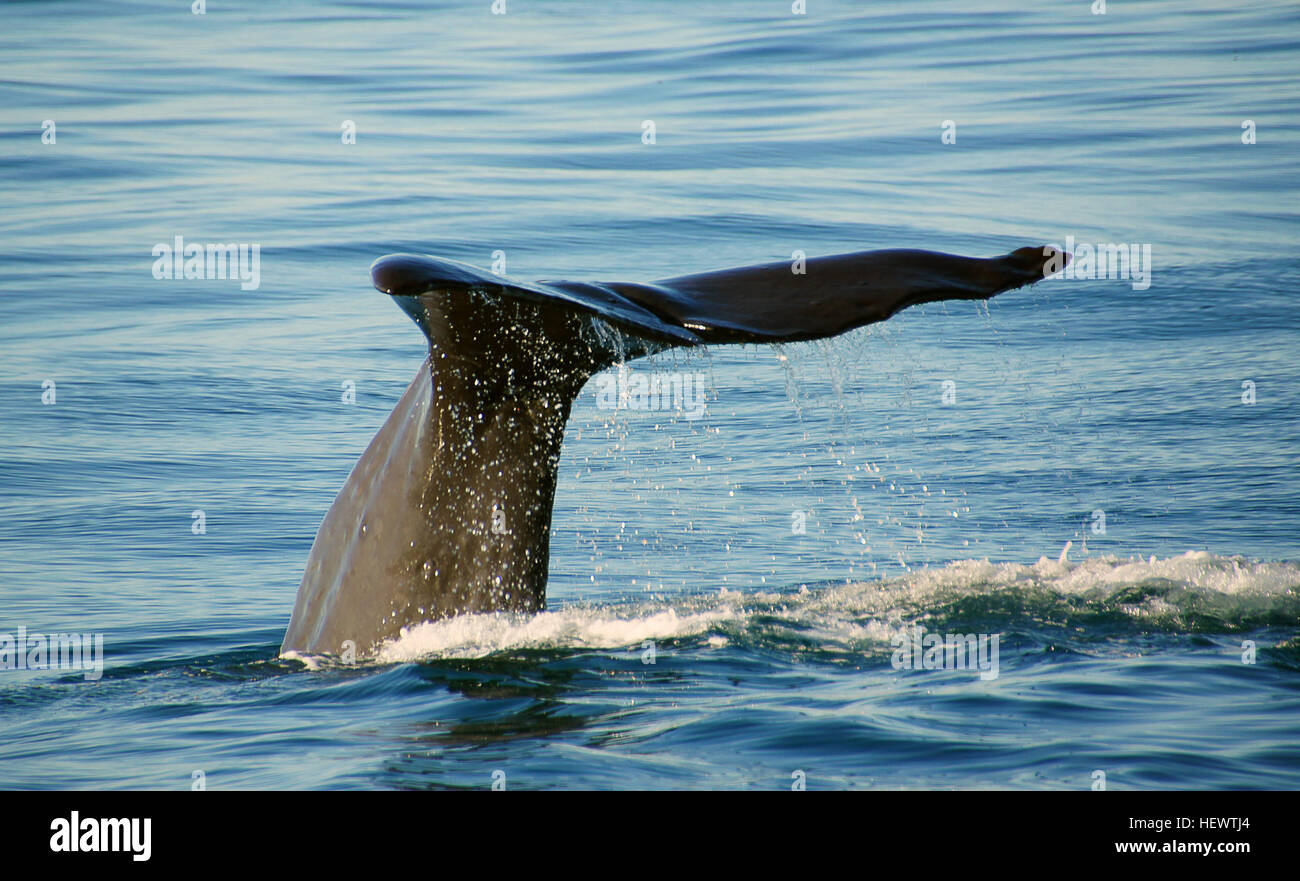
{"x":1087,"y":601}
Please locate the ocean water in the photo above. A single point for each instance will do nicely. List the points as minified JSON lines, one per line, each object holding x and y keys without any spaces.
{"x":1100,"y":472}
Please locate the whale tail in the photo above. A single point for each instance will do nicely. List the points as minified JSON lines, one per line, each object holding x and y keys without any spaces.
{"x":448,"y":511}
{"x":775,"y":302}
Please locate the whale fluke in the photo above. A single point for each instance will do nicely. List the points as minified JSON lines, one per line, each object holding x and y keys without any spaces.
{"x":448,"y":511}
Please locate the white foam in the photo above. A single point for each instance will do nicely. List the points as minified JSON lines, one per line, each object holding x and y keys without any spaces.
{"x":311,"y":662}
{"x":862,"y":615}
{"x":475,"y":636}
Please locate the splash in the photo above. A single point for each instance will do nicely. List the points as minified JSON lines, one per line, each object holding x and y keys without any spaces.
{"x":1087,"y":601}
{"x":576,"y":627}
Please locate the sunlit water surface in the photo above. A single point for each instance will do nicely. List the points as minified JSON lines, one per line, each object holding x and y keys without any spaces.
{"x":1090,"y":412}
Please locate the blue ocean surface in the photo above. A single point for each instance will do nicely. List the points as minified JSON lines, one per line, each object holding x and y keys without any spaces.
{"x":1100,"y":472}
